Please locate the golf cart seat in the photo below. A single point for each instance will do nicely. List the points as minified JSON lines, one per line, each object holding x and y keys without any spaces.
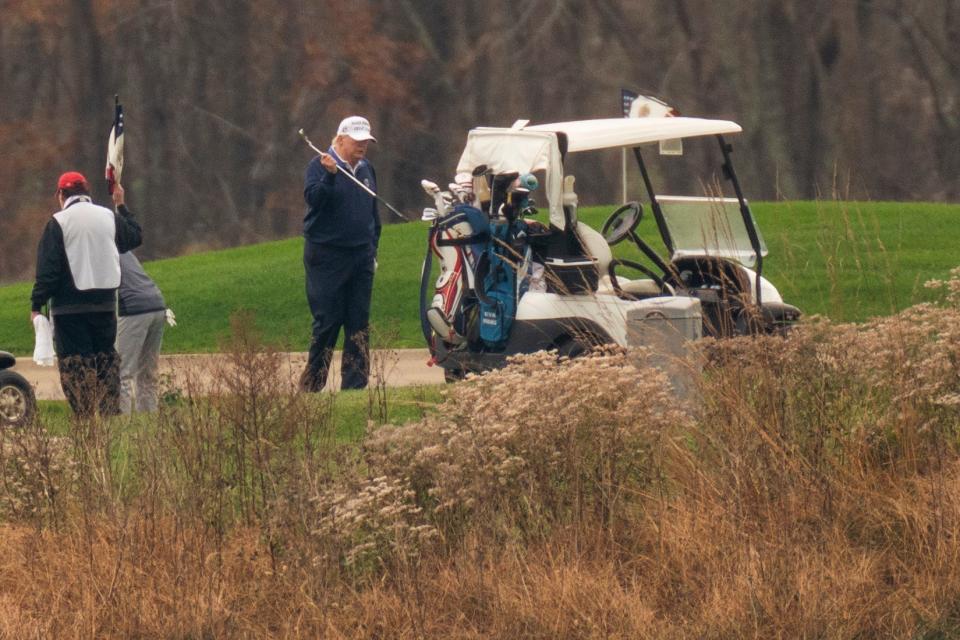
{"x":595,"y":246}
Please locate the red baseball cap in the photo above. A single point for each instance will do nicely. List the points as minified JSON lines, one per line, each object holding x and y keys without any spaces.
{"x":72,"y":180}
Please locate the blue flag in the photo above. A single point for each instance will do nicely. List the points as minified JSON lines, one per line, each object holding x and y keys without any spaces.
{"x":626,"y":99}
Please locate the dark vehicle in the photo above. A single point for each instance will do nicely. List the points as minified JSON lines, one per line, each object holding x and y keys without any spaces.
{"x":18,"y":404}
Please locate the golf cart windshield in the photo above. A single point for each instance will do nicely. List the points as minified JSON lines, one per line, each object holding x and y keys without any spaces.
{"x":708,"y":226}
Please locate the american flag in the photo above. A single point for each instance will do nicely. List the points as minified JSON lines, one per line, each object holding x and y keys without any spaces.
{"x":115,"y":147}
{"x":626,"y":100}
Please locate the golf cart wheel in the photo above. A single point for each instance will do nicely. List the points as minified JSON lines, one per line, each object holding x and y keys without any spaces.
{"x":453,"y":375}
{"x":571,"y":348}
{"x":17,"y":402}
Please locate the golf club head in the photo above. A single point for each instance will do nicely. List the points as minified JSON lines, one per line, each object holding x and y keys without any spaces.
{"x":307,"y":140}
{"x":502,"y":181}
{"x":443,"y":201}
{"x":528,"y":181}
{"x":499,"y":189}
{"x":480,"y":177}
{"x":518,"y":197}
{"x":458,"y":192}
{"x":429,"y":214}
{"x":431,"y":188}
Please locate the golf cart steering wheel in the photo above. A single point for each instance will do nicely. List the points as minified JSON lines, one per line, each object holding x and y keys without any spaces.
{"x":622,"y":222}
{"x":662,"y":284}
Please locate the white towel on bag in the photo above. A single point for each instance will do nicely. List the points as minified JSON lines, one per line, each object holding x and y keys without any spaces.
{"x":43,"y":352}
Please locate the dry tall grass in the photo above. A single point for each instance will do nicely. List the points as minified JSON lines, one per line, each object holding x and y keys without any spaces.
{"x":810,"y":489}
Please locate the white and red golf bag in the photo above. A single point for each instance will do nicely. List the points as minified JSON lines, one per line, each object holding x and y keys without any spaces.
{"x":457,"y":239}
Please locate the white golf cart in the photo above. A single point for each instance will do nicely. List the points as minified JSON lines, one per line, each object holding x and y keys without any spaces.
{"x":510,"y":285}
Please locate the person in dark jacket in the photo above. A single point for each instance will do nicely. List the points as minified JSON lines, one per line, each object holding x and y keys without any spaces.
{"x":78,"y":272}
{"x":141,"y":314}
{"x":342,"y":232}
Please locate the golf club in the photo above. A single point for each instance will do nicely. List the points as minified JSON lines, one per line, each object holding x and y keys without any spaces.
{"x":433,"y":190}
{"x":461,"y":194}
{"x":352,"y":177}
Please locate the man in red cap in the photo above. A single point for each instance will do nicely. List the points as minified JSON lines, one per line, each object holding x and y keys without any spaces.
{"x":78,"y":272}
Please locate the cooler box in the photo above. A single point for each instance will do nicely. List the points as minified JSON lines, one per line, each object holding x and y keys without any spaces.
{"x":664,"y":322}
{"x":666,"y":326}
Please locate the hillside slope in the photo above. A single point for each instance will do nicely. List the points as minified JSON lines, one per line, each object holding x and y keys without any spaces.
{"x":849,"y":261}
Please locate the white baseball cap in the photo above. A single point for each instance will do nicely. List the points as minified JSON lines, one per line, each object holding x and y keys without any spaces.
{"x":357,"y":127}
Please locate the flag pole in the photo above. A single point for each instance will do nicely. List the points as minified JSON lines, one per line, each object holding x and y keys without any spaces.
{"x":623,"y":167}
{"x":626,"y":103}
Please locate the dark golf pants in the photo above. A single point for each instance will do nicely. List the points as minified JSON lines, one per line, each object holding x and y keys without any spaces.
{"x":339,"y":288}
{"x":88,"y":363}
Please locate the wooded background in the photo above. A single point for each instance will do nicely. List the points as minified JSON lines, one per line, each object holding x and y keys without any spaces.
{"x":838,"y":98}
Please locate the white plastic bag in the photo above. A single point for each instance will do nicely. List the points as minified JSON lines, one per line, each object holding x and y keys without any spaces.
{"x":43,"y":352}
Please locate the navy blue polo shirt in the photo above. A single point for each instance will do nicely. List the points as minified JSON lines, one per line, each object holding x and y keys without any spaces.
{"x":339,"y":212}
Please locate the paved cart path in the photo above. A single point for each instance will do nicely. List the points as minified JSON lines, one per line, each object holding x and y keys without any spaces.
{"x":400,"y":367}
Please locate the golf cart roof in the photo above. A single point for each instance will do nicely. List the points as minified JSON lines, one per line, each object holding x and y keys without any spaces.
{"x":589,"y":135}
{"x":526,"y":149}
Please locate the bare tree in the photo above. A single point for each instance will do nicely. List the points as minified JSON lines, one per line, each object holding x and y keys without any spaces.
{"x":867,"y":92}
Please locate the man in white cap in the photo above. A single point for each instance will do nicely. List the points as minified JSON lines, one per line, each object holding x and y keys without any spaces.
{"x":342,"y":232}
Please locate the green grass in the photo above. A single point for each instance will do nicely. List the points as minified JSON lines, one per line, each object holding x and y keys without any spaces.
{"x":849,"y":261}
{"x":350,"y":410}
{"x":854,"y":261}
{"x":267,"y":279}
{"x":55,"y":415}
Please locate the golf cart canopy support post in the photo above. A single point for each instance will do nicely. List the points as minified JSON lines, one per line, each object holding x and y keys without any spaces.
{"x":731,"y":175}
{"x":654,"y":204}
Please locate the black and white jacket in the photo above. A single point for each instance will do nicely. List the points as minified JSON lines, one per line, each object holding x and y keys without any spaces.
{"x":78,"y":259}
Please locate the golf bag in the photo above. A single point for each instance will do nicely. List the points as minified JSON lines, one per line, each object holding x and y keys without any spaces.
{"x":458,"y":239}
{"x":502,"y":270}
{"x":475,"y":296}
